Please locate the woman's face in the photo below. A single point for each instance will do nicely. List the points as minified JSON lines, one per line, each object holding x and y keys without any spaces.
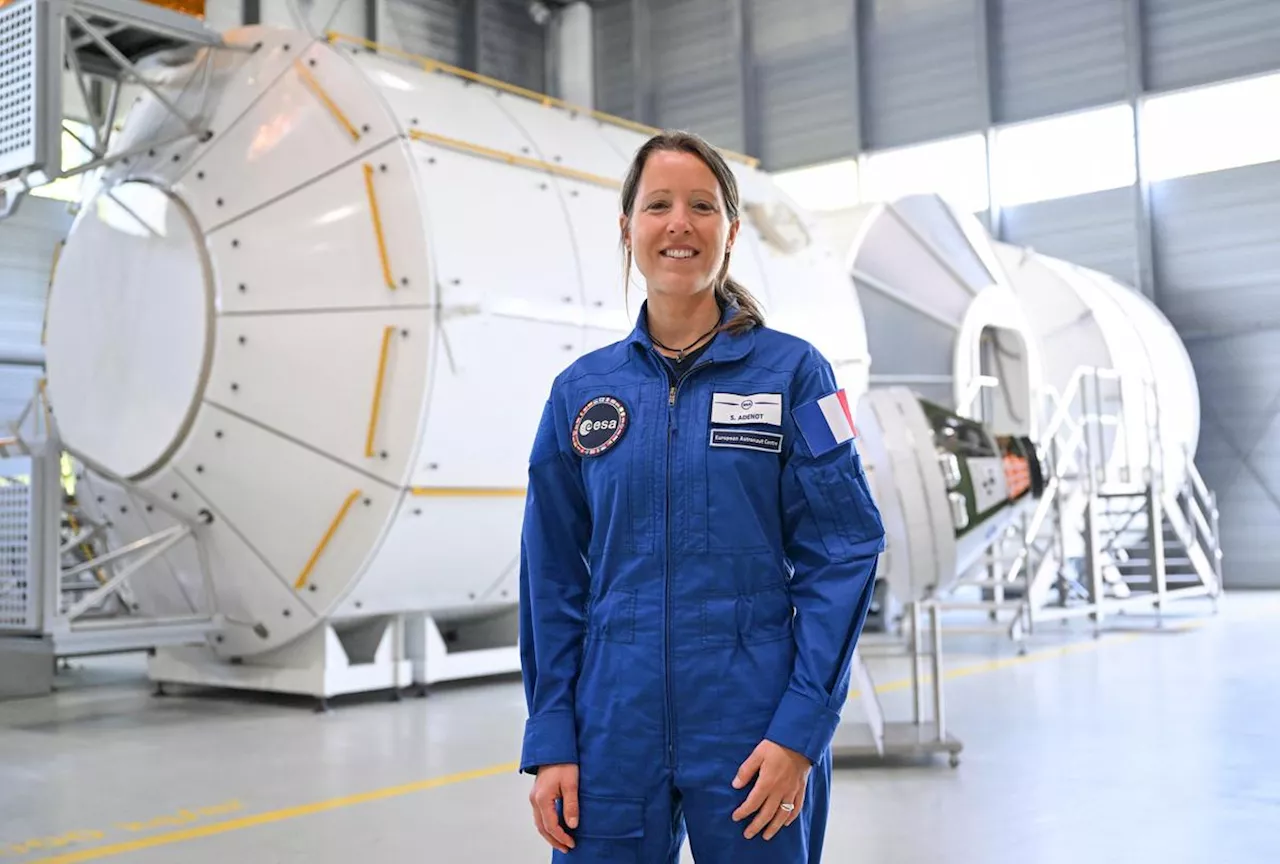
{"x":679,"y":228}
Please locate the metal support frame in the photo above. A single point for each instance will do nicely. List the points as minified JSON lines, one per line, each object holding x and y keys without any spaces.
{"x":1136,"y":88}
{"x":75,"y":616}
{"x":752,"y":132}
{"x":643,"y":103}
{"x":985,"y":14}
{"x":103,"y":43}
{"x":926,"y":732}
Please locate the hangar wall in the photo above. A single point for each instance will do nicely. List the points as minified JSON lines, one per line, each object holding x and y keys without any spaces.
{"x":889,"y":97}
{"x":1033,"y":115}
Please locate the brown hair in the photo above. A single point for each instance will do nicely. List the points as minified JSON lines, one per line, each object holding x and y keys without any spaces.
{"x":729,"y":291}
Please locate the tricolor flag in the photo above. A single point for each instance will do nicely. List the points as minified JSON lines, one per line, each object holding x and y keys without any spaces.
{"x":825,"y":422}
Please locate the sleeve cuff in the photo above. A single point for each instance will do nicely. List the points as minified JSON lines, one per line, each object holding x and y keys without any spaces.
{"x":803,"y":725}
{"x":549,"y":739}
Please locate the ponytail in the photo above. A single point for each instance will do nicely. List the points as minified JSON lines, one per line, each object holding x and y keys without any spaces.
{"x":731,"y":292}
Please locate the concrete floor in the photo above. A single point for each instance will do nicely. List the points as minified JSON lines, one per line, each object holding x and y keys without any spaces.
{"x":1140,"y":747}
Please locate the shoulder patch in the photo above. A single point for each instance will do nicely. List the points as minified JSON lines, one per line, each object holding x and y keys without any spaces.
{"x":599,"y":426}
{"x":825,"y":422}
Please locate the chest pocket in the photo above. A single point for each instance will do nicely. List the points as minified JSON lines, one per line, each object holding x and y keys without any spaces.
{"x":741,"y":440}
{"x":613,"y":436}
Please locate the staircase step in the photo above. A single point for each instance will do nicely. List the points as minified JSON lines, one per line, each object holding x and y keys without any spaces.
{"x":1145,"y":547}
{"x":1121,"y":491}
{"x":1146,"y":562}
{"x":1171,"y":581}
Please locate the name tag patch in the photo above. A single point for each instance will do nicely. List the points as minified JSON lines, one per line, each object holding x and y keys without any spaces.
{"x":765,"y":442}
{"x":757,"y":408}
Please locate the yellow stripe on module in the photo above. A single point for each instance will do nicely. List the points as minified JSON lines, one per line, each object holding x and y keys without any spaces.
{"x":319,"y":91}
{"x":324,"y":541}
{"x":514,"y":158}
{"x":376,"y":408}
{"x":377,"y":226}
{"x":466,"y":492}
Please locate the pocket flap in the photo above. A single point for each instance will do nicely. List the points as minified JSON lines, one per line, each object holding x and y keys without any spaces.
{"x":608,"y":818}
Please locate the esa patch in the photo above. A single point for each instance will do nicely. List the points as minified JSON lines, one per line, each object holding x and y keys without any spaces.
{"x":599,"y":426}
{"x":765,"y":442}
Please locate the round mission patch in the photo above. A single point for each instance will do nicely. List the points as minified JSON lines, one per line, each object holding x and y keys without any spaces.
{"x":599,"y":426}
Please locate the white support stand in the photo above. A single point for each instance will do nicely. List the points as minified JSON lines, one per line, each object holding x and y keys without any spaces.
{"x":480,"y":649}
{"x":333,"y":659}
{"x":337,"y":658}
{"x":922,"y":735}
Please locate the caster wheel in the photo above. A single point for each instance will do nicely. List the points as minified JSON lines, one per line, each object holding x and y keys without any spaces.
{"x":322,"y":706}
{"x":955,"y":760}
{"x":423,"y":691}
{"x":396,"y":695}
{"x":159,"y":691}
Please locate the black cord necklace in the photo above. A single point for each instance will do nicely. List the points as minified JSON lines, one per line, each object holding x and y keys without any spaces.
{"x":680,"y":352}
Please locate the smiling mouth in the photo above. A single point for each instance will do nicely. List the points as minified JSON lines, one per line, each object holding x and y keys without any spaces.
{"x":679,"y":253}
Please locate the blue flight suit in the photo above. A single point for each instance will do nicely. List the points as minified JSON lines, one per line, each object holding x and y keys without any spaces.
{"x":689,"y":588}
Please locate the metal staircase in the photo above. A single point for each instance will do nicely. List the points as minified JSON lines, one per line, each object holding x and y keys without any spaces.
{"x":1106,"y":537}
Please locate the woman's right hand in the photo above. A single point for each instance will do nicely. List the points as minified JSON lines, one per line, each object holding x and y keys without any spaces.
{"x":554,"y":782}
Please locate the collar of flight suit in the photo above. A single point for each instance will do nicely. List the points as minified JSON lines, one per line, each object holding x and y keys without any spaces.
{"x":727,"y":347}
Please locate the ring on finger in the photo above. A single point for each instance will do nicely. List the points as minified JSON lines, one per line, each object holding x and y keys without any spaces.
{"x":787,"y":806}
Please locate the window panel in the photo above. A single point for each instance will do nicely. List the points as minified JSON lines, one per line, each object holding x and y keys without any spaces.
{"x":1211,"y":129}
{"x":954,"y":168}
{"x":832,"y":186}
{"x":1068,"y":155}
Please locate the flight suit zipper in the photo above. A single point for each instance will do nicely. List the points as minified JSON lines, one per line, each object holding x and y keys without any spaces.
{"x":672,"y":428}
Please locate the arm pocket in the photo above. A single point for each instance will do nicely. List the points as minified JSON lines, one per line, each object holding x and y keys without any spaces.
{"x":842,"y":506}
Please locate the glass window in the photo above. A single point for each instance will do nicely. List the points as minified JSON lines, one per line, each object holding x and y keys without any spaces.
{"x":954,"y":168}
{"x":1211,"y":128}
{"x":1062,"y":156}
{"x":829,"y":186}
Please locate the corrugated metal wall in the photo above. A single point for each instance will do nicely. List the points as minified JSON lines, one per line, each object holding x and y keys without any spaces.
{"x":1197,"y":41}
{"x":498,"y":38}
{"x":1095,"y":230}
{"x":431,"y":28}
{"x":614,"y":43}
{"x":696,"y":69}
{"x":1053,"y":57}
{"x":806,"y":67}
{"x":826,"y":79}
{"x":513,"y":47}
{"x":921,"y":69}
{"x":1217,"y":241}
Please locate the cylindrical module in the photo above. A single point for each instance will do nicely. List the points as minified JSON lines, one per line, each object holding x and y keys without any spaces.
{"x":330,"y":326}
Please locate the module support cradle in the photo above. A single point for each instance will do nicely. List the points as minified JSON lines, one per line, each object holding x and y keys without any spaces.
{"x":922,"y":735}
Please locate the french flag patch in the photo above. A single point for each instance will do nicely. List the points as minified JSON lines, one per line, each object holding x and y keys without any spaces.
{"x":825,"y":423}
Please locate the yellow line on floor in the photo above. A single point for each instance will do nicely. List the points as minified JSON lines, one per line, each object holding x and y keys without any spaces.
{"x":273,"y":816}
{"x":1001,"y":662}
{"x":213,"y":828}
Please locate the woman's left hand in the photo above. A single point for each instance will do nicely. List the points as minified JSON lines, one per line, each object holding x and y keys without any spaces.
{"x":784,"y":775}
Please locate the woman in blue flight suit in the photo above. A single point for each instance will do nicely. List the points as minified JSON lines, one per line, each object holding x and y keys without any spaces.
{"x":698,"y":554}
